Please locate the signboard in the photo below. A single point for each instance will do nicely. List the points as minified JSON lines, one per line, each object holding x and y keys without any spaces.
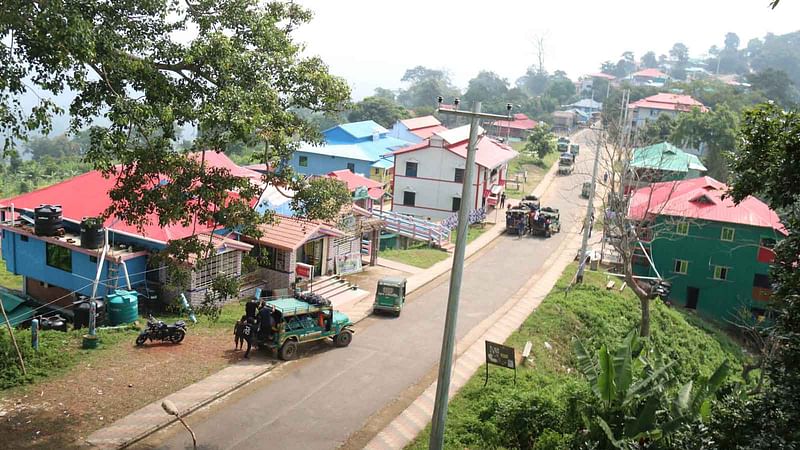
{"x":500,"y":355}
{"x":347,"y":223}
{"x":304,"y":271}
{"x":361,"y":193}
{"x":349,"y":263}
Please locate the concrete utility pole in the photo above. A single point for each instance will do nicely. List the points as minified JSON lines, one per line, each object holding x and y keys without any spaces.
{"x":448,"y":341}
{"x":588,"y":223}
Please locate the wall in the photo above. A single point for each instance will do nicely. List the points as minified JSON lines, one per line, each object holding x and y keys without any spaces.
{"x":324,"y":164}
{"x":703,"y":249}
{"x":643,"y":115}
{"x":434,"y":185}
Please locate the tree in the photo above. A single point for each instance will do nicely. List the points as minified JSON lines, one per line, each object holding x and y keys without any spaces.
{"x":731,"y":42}
{"x":232,"y":69}
{"x":779,"y":52}
{"x":384,"y":93}
{"x":541,"y":141}
{"x":608,"y":67}
{"x":58,"y":147}
{"x":655,"y":132}
{"x":425,"y":85}
{"x":384,"y":112}
{"x":716,"y":130}
{"x":534,"y":83}
{"x":680,"y":53}
{"x":561,"y":89}
{"x":489,"y":88}
{"x":776,"y":85}
{"x":649,"y":60}
{"x":767,"y":165}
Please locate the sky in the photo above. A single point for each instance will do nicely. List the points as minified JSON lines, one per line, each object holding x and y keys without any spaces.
{"x":372,"y":43}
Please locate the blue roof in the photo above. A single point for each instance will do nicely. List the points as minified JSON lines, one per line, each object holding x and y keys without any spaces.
{"x":382,"y":146}
{"x":362,"y":151}
{"x":383,"y":163}
{"x":360,"y":130}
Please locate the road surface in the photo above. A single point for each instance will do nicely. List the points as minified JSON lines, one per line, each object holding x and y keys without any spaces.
{"x":322,"y":399}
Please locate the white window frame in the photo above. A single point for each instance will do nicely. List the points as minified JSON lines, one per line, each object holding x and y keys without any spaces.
{"x":722,"y":234}
{"x":721,"y":268}
{"x":679,"y":226}
{"x":683,"y":263}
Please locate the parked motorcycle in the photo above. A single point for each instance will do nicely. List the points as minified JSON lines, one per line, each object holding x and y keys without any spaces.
{"x":159,"y":331}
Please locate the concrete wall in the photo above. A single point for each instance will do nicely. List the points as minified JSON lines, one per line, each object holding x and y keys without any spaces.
{"x":323,"y":164}
{"x":643,"y":115}
{"x":703,"y":249}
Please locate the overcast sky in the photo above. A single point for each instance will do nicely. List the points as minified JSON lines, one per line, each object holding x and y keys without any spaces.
{"x":372,"y":43}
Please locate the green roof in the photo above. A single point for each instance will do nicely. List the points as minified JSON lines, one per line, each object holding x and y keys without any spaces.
{"x":667,"y":157}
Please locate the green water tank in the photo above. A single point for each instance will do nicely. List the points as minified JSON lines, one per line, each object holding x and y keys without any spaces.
{"x":122,"y":307}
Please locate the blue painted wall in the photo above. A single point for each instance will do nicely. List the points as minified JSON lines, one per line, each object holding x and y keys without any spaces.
{"x":324,"y":164}
{"x":28,"y":258}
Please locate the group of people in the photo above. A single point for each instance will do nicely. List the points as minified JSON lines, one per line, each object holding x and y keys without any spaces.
{"x":257,"y":324}
{"x":533,"y":217}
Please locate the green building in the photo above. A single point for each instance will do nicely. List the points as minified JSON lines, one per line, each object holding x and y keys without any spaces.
{"x":715,"y":254}
{"x":663,"y":162}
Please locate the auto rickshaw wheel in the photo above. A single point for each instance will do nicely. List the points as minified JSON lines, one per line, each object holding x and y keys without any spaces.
{"x":288,"y":351}
{"x":343,"y":339}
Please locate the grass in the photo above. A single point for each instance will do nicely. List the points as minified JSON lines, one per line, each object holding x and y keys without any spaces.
{"x":472,"y":233}
{"x":546,"y":388}
{"x":535,"y":167}
{"x":418,"y":255}
{"x":8,"y":279}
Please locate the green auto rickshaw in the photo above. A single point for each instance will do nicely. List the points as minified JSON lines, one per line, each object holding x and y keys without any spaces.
{"x":390,"y":295}
{"x":586,"y":189}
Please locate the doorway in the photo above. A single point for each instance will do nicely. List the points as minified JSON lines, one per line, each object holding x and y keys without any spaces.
{"x":692,"y":295}
{"x":311,"y":253}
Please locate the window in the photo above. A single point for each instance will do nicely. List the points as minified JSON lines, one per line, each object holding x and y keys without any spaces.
{"x":720,"y":273}
{"x":459,"y":176}
{"x":768,"y":243}
{"x":682,"y":228}
{"x":58,"y":257}
{"x":269,"y":257}
{"x":23,"y":238}
{"x":761,"y":281}
{"x":727,"y":234}
{"x":411,"y":169}
{"x":409,"y":198}
{"x":93,"y":259}
{"x":351,"y":167}
{"x":681,"y":266}
{"x":304,"y":161}
{"x":456,"y":203}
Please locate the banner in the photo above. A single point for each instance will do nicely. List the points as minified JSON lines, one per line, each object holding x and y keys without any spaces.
{"x":304,"y":271}
{"x":349,"y":263}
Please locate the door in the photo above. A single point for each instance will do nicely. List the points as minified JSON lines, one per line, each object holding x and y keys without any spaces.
{"x":692,"y":295}
{"x":311,"y":253}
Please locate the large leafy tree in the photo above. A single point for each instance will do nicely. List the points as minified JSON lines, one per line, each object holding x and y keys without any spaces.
{"x":767,"y":164}
{"x":490,"y":89}
{"x":716,"y":130}
{"x":230,"y":68}
{"x":541,"y":141}
{"x":424,"y":86}
{"x":649,"y":60}
{"x":383,"y":111}
{"x":776,"y":85}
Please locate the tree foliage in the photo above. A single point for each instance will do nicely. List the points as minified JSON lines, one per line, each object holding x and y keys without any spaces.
{"x":776,"y":85}
{"x":231,"y":68}
{"x":424,"y":86}
{"x":716,"y":130}
{"x":383,"y":111}
{"x":541,"y":141}
{"x":490,"y":89}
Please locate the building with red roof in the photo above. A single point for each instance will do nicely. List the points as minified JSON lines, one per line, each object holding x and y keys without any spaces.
{"x":649,"y":77}
{"x":365,"y":191}
{"x":429,"y":175}
{"x":516,"y":130}
{"x":715,"y":253}
{"x":649,"y":108}
{"x":417,"y":129}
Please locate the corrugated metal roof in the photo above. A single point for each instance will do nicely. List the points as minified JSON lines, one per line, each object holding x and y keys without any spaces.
{"x":701,"y":198}
{"x":669,"y":102}
{"x":353,"y":181}
{"x":520,"y":122}
{"x":289,"y":233}
{"x":667,"y":157}
{"x":587,"y":103}
{"x":420,"y":122}
{"x":649,"y":73}
{"x":350,"y":151}
{"x":360,"y":130}
{"x":425,"y":133}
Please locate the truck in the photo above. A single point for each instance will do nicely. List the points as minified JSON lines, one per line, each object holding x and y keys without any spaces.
{"x":566,"y":164}
{"x":574,"y":149}
{"x":563,"y":144}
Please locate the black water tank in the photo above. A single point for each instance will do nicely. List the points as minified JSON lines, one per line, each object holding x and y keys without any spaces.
{"x":81,"y":311}
{"x":47,"y":220}
{"x":91,"y":233}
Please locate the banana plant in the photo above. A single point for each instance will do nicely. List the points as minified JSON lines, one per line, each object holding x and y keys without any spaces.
{"x":633,"y":412}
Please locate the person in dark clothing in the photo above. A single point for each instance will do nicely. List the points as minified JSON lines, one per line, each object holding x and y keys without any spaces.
{"x":521,"y":226}
{"x":503,"y":199}
{"x":248,"y":333}
{"x":251,"y":308}
{"x":265,"y":324}
{"x":238,"y":337}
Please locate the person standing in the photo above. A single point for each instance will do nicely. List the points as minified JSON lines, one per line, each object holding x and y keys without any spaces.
{"x":521,"y":225}
{"x":248,"y":331}
{"x":238,"y":337}
{"x":503,"y":199}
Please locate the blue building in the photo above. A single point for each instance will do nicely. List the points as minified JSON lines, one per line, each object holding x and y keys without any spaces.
{"x":361,"y":147}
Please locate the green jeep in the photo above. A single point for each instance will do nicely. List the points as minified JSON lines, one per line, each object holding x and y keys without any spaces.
{"x":390,"y":295}
{"x":296,"y":322}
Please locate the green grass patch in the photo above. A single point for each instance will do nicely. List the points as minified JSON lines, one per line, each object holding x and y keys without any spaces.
{"x":535,"y":167}
{"x":472,"y":233}
{"x":7,"y":279}
{"x":538,"y":412}
{"x":418,"y":255}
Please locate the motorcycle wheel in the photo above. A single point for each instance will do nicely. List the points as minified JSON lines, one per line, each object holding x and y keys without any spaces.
{"x":177,"y":336}
{"x":140,"y":340}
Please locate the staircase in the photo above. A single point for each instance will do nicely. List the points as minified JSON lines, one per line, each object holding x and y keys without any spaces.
{"x":411,"y":227}
{"x":330,"y":287}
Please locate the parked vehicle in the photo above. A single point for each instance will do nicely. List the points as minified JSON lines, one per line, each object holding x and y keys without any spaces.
{"x":296,"y":322}
{"x":390,"y":295}
{"x":540,"y":227}
{"x":563,"y":144}
{"x":513,"y":217}
{"x":159,"y":331}
{"x":566,"y":164}
{"x":586,"y":189}
{"x":530,"y":202}
{"x":574,"y":149}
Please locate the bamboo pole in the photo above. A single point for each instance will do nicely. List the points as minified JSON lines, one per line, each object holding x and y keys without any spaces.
{"x":13,"y":339}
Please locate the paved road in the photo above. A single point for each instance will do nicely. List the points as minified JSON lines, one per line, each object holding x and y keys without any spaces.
{"x":322,"y":399}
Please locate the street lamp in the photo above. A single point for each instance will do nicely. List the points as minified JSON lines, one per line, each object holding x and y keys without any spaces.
{"x":448,"y":340}
{"x":172,"y":410}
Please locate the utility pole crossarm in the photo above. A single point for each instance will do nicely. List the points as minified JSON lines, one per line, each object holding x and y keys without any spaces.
{"x":471,"y":114}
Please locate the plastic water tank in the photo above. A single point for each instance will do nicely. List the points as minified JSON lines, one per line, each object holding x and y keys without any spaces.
{"x":47,"y":220}
{"x":91,"y":233}
{"x":123,"y":307}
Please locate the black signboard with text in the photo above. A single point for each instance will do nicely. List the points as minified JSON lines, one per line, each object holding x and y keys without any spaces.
{"x":500,"y":355}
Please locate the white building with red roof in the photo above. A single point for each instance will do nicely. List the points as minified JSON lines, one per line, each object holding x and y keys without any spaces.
{"x":417,"y":129}
{"x":428,"y":176}
{"x":649,"y":108}
{"x":513,"y":130}
{"x":649,"y":77}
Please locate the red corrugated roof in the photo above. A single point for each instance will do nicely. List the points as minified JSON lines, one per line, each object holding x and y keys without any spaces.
{"x":221,"y":244}
{"x":427,"y":132}
{"x":490,"y":153}
{"x":420,"y":122}
{"x":289,"y":233}
{"x":221,"y":161}
{"x":669,"y":102}
{"x":650,"y":73}
{"x":353,"y":181}
{"x":701,"y":198}
{"x":520,"y":122}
